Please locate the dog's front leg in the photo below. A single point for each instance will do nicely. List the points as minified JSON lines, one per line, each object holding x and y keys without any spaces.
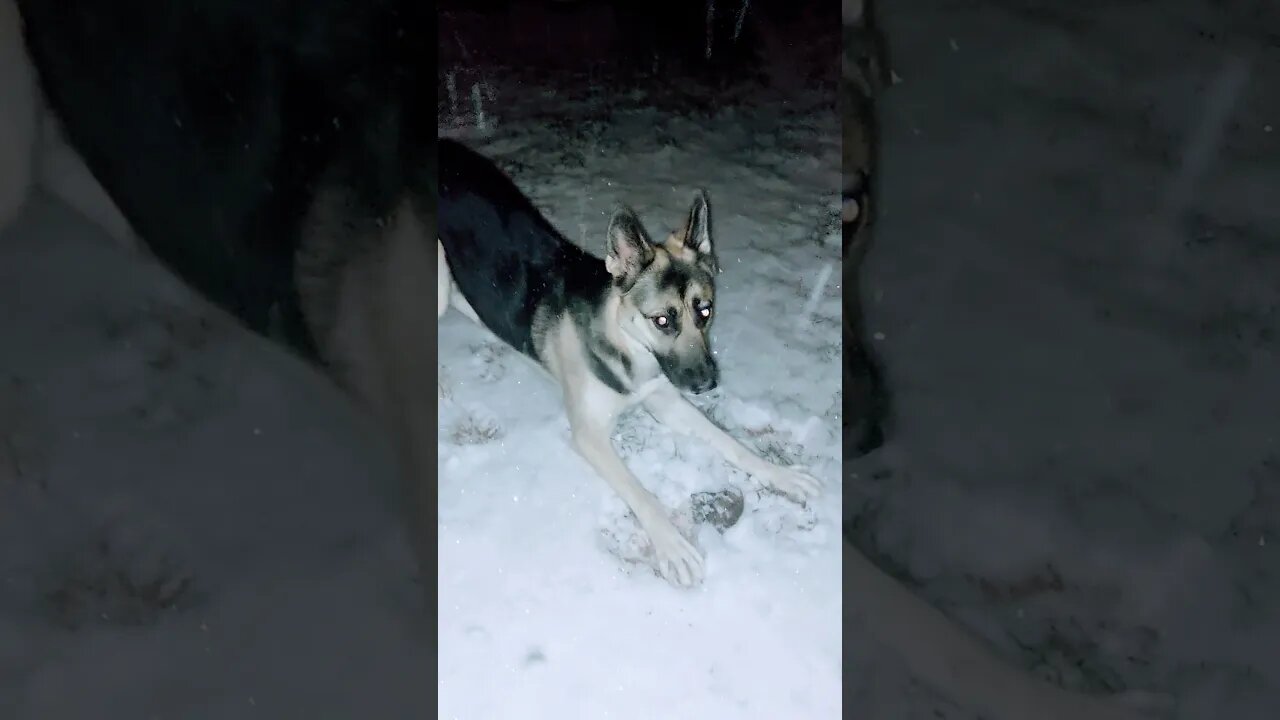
{"x":592,"y":410}
{"x":671,"y":408}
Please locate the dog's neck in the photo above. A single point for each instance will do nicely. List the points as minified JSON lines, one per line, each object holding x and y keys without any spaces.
{"x":644,"y":368}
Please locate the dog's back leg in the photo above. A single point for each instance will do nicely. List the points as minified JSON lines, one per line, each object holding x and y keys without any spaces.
{"x":447,"y":292}
{"x":448,"y":295}
{"x":19,"y":104}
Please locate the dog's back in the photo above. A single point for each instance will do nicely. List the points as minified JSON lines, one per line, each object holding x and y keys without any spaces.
{"x":505,"y":257}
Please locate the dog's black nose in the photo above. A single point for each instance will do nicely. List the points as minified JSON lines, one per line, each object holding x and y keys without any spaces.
{"x":706,"y":385}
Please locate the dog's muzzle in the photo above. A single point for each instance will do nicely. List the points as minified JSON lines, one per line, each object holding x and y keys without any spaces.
{"x":699,"y":376}
{"x":701,"y":379}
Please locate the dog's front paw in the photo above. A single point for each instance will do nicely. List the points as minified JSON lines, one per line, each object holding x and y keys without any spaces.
{"x":791,"y":482}
{"x":675,"y":558}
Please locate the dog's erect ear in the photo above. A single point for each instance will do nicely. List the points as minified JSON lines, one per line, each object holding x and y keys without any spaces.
{"x":697,"y":231}
{"x":629,"y":249}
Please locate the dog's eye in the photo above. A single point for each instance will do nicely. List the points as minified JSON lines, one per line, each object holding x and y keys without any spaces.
{"x":661,"y":321}
{"x":705,"y":310}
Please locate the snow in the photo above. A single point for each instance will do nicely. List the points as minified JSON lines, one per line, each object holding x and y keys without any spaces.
{"x":543,"y":590}
{"x":1074,"y":288}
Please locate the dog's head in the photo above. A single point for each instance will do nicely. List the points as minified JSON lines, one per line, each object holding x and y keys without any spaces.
{"x":667,"y":293}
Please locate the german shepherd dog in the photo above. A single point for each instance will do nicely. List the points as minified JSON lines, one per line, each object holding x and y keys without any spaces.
{"x":631,"y":328}
{"x":278,"y":156}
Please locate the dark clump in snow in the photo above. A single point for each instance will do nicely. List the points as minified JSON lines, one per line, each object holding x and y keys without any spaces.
{"x":721,"y":510}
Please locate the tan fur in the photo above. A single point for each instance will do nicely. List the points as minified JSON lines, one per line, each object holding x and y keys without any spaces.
{"x":593,"y":411}
{"x":675,"y":246}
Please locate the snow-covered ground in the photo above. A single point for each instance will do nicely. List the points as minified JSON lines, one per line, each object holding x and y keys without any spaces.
{"x":1086,"y":463}
{"x":540,"y":592}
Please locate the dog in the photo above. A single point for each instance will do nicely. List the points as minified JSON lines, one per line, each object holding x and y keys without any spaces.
{"x":631,"y":328}
{"x":280,"y":159}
